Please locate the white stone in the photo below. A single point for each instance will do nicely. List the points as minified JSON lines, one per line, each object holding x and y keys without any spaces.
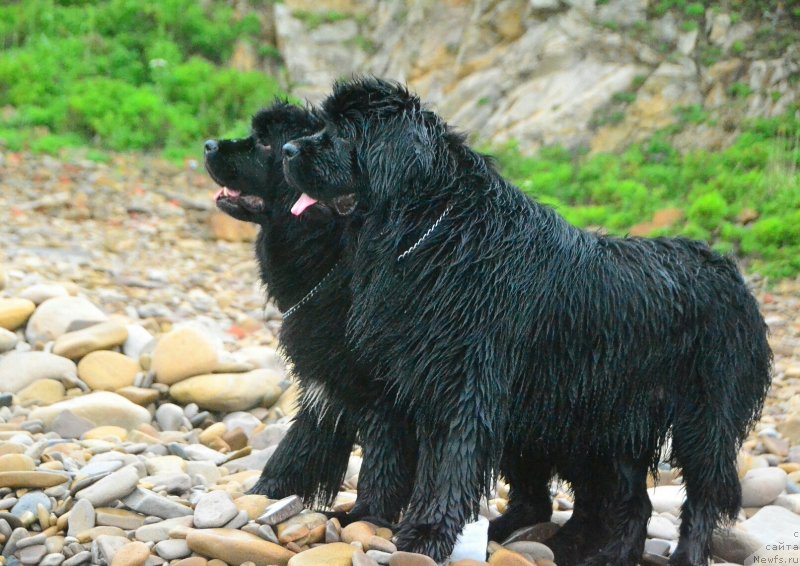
{"x":114,"y":486}
{"x":20,"y":369}
{"x":213,"y":510}
{"x":667,"y":498}
{"x":762,"y":486}
{"x":138,"y":340}
{"x":471,"y":543}
{"x":172,"y":549}
{"x":169,"y":416}
{"x":53,"y":317}
{"x":661,"y":527}
{"x":102,"y":408}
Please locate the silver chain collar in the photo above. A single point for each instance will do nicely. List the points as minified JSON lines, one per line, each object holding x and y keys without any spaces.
{"x":430,"y":230}
{"x":312,"y":292}
{"x":310,"y":295}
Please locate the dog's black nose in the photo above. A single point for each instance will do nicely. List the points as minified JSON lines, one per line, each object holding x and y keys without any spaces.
{"x":290,"y":150}
{"x":211,"y":146}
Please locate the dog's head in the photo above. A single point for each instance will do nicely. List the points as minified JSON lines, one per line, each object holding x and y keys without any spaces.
{"x":250,"y":170}
{"x":377,"y":139}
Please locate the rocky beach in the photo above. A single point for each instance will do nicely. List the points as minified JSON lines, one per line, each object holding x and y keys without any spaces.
{"x":141,"y":393}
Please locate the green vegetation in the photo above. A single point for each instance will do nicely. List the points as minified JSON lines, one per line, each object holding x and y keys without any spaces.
{"x":315,"y":19}
{"x":744,"y":200}
{"x":124,"y":74}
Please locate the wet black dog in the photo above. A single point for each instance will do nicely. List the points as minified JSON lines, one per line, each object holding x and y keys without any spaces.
{"x":517,"y":342}
{"x":301,"y":264}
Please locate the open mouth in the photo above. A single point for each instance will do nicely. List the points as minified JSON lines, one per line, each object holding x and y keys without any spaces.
{"x":343,"y":205}
{"x":250,"y":203}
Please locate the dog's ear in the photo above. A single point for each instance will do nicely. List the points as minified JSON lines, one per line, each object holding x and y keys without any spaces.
{"x":401,"y":154}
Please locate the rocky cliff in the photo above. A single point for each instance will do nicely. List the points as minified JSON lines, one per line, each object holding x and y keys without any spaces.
{"x":597,"y":74}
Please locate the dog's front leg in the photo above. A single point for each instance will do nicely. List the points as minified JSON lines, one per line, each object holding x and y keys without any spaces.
{"x":453,"y":471}
{"x":387,"y":473}
{"x":311,"y":460}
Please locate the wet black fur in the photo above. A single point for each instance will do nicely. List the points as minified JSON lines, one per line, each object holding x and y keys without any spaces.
{"x":520,"y":344}
{"x":294,"y":254}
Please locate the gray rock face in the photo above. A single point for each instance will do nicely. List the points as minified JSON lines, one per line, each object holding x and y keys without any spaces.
{"x":537,"y":71}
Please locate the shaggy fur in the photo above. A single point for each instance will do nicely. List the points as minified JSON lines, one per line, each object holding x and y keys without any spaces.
{"x":522,"y":345}
{"x":294,"y":255}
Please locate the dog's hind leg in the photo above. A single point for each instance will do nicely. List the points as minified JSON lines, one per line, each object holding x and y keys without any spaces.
{"x":387,"y":471}
{"x":713,"y":492}
{"x":628,"y":510}
{"x":587,"y":531}
{"x":311,"y":460}
{"x":529,"y":500}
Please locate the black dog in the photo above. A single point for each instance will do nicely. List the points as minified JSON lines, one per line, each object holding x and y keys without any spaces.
{"x":517,"y":342}
{"x":303,"y":269}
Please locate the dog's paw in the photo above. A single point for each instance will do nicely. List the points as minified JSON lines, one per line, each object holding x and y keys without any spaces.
{"x":424,"y":539}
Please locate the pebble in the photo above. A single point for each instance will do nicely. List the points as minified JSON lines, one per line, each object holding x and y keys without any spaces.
{"x":504,"y":557}
{"x":20,"y":369}
{"x":169,"y":416}
{"x":40,"y":292}
{"x":472,"y":542}
{"x":120,"y":518}
{"x":183,"y":353}
{"x":16,"y":463}
{"x":107,"y":546}
{"x":335,"y":554}
{"x":667,"y":498}
{"x":236,"y":547}
{"x":52,"y":559}
{"x":57,"y":316}
{"x":111,"y":488}
{"x":762,"y":486}
{"x":214,"y":509}
{"x":172,"y":549}
{"x":107,"y":371}
{"x":68,"y":425}
{"x":132,"y":554}
{"x":147,"y":502}
{"x":42,"y":392}
{"x":358,"y":531}
{"x":533,"y":550}
{"x":81,"y":517}
{"x":410,"y":559}
{"x":7,"y":340}
{"x":229,"y":391}
{"x":35,"y":479}
{"x":32,"y":554}
{"x":661,"y":527}
{"x":156,"y":532}
{"x":102,"y":336}
{"x":359,"y":558}
{"x":28,"y":503}
{"x":138,"y":395}
{"x":281,"y":510}
{"x":15,"y":312}
{"x":101,"y":408}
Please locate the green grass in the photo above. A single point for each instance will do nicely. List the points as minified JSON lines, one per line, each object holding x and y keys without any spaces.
{"x":124,"y":74}
{"x":760,"y":172}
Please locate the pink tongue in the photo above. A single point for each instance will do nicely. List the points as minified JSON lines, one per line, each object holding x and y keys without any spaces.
{"x":302,"y":204}
{"x":226,"y":192}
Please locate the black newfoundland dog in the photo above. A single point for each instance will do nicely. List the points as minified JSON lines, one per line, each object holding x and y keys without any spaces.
{"x":519,"y":344}
{"x":302,"y":266}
